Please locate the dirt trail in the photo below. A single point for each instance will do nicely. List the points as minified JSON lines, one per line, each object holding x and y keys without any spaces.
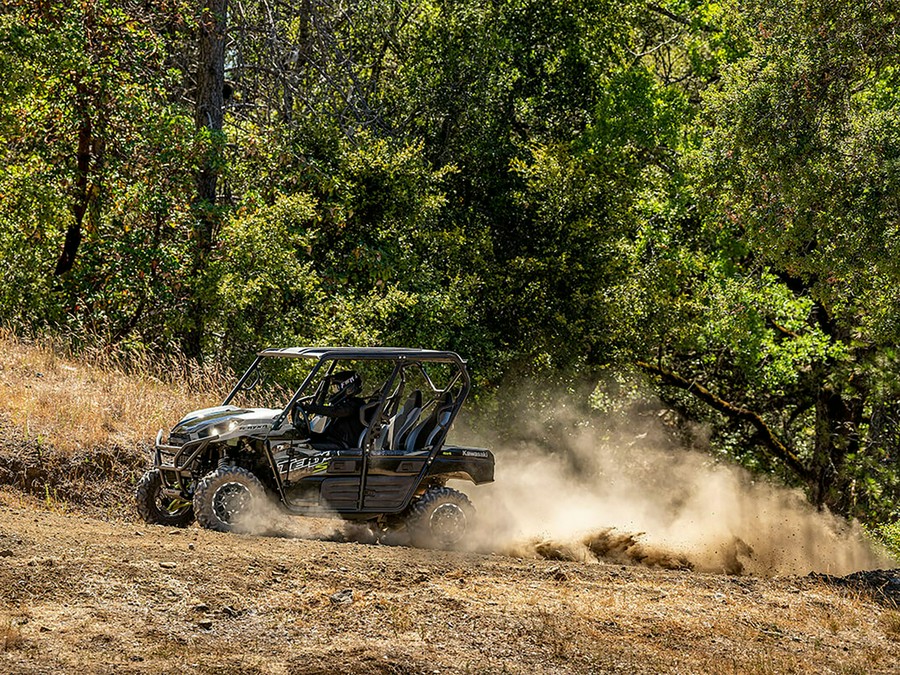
{"x":85,"y":595}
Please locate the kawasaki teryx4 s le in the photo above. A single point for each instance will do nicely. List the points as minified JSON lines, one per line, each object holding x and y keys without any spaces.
{"x":361,"y":438}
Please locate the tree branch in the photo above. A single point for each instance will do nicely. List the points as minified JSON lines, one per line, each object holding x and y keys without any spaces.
{"x":705,"y":27}
{"x":765,"y":434}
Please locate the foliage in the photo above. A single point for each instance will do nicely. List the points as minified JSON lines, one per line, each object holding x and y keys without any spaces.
{"x":790,"y":274}
{"x":888,"y":535}
{"x":89,"y":133}
{"x":701,"y":190}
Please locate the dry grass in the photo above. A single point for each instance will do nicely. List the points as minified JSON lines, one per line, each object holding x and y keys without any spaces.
{"x":891,"y":622}
{"x":101,"y":399}
{"x":96,"y":592}
{"x":74,"y":431}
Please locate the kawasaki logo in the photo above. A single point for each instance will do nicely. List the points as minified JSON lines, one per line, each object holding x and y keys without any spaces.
{"x":475,"y":453}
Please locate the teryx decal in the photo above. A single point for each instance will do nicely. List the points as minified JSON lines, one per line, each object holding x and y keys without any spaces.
{"x":305,"y":463}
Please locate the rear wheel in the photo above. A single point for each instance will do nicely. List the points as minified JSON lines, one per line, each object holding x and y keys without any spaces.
{"x":224,"y":499}
{"x":157,"y":508}
{"x":440,"y":518}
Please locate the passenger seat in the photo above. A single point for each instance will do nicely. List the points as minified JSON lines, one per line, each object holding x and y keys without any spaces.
{"x":429,"y":431}
{"x":400,"y":423}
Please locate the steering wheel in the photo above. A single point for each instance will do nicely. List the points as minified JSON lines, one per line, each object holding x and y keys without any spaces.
{"x":300,"y":407}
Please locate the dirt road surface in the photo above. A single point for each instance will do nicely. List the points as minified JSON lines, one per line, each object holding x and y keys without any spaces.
{"x":81,"y":595}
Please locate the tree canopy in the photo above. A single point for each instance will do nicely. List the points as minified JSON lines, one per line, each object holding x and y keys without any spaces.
{"x":694,"y":195}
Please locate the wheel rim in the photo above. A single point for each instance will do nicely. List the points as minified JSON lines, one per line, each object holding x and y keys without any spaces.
{"x":231,"y":499}
{"x":448,"y":524}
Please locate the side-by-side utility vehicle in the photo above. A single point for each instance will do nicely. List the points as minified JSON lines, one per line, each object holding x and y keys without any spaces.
{"x":361,"y":436}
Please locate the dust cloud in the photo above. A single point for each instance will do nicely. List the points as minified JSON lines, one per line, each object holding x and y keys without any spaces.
{"x":627,"y":495}
{"x":264,"y":517}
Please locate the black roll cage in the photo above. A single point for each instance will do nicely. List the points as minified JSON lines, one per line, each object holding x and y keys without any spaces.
{"x":400,"y":356}
{"x":402,"y":359}
{"x":175,"y":462}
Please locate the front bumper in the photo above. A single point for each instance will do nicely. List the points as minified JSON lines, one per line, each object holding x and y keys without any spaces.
{"x":175,"y":462}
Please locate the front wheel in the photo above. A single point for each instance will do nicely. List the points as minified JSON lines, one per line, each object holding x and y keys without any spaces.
{"x":224,"y":499}
{"x":157,"y":508}
{"x":440,"y":518}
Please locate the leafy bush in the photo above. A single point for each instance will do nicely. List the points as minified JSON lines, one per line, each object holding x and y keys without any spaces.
{"x":889,"y":536}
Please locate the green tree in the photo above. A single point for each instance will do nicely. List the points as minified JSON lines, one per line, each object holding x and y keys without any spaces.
{"x":782,"y":304}
{"x":93,"y":173}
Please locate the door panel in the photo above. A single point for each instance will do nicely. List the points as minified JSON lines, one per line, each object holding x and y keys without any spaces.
{"x":387,"y":492}
{"x":340,"y":493}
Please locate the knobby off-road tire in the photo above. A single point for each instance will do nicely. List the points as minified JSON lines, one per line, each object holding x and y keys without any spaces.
{"x":158,"y":509}
{"x":440,"y":518}
{"x":224,"y":498}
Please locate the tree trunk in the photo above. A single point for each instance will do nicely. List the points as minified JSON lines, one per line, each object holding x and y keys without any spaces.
{"x":209,"y":118}
{"x":82,"y":196}
{"x":209,"y":107}
{"x":837,"y":424}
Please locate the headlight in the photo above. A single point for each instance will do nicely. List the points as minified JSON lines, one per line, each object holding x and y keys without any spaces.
{"x":221,"y":429}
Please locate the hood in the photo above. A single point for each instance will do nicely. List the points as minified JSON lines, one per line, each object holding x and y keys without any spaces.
{"x":226,"y":420}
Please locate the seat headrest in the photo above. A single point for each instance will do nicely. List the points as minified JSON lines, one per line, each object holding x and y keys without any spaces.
{"x":414,"y":400}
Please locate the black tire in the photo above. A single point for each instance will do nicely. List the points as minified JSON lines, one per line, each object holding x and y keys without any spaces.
{"x":440,"y":518}
{"x":158,"y":509}
{"x":227,"y":495}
